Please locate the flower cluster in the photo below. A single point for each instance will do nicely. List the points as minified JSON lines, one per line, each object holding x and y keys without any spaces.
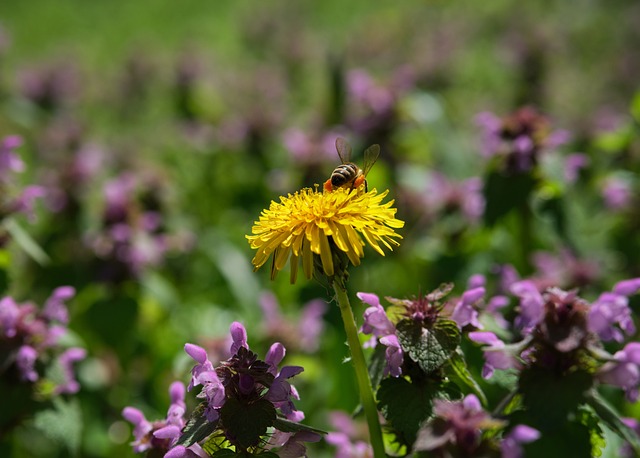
{"x":247,"y":407}
{"x":13,"y":198}
{"x":457,"y":430}
{"x":30,"y":338}
{"x":133,"y":235}
{"x":519,"y":138}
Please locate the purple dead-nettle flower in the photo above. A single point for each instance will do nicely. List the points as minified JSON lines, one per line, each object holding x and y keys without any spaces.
{"x":496,"y":355}
{"x":511,"y":444}
{"x":465,"y":313}
{"x":443,"y":196}
{"x":573,"y":164}
{"x":55,"y":308}
{"x":9,"y":316}
{"x":66,"y":360}
{"x":280,"y":392}
{"x":302,"y":333}
{"x":493,"y":309}
{"x":531,"y":305}
{"x":290,"y":445}
{"x":564,"y":269}
{"x":456,"y":424}
{"x":624,"y":370}
{"x":611,"y":310}
{"x":606,"y":312}
{"x":25,"y":361}
{"x":347,"y":437}
{"x":379,"y":326}
{"x":476,"y":281}
{"x":239,"y":337}
{"x":519,"y":138}
{"x":10,"y":162}
{"x":275,"y":355}
{"x":199,"y":354}
{"x":162,"y":434}
{"x":626,"y":451}
{"x":617,"y":192}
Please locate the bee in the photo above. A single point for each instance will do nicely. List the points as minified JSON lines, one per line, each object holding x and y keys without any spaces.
{"x":349,"y":174}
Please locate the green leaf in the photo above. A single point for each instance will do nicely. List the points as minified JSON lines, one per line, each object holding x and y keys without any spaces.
{"x":503,"y":193}
{"x":572,"y":440}
{"x":588,"y":418}
{"x":377,"y":364}
{"x":25,"y":241}
{"x":612,"y":419}
{"x":197,"y":428}
{"x":549,"y":398}
{"x":405,"y":405}
{"x":288,"y":426}
{"x":460,"y":374}
{"x":63,"y":423}
{"x":429,"y":347}
{"x":246,"y":422}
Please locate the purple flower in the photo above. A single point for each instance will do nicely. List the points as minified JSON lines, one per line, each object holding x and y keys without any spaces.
{"x":346,"y":438}
{"x":495,"y":355}
{"x":280,"y":392}
{"x":204,"y":366}
{"x":624,"y":371}
{"x":141,"y":428}
{"x":627,"y":287}
{"x":9,"y":315}
{"x":66,"y":361}
{"x":464,"y":312}
{"x":378,"y":324}
{"x":274,"y":356}
{"x":55,"y":308}
{"x":26,"y":360}
{"x":9,"y":161}
{"x":239,"y":337}
{"x":572,"y":165}
{"x":617,"y":193}
{"x":606,"y":312}
{"x":531,"y":305}
{"x":521,"y":434}
{"x":291,"y":444}
{"x":25,"y":202}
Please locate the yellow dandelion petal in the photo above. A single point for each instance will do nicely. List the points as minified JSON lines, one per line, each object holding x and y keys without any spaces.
{"x":311,"y":223}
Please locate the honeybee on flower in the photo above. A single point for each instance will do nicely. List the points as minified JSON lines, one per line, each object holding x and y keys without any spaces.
{"x":348,"y":174}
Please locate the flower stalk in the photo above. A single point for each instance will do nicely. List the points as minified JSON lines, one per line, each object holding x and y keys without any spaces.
{"x":360,"y":367}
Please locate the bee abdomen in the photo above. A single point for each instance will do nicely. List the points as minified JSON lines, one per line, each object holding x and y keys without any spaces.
{"x":344,"y":174}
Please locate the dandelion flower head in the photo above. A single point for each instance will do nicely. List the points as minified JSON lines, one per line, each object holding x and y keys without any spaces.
{"x":310,"y":223}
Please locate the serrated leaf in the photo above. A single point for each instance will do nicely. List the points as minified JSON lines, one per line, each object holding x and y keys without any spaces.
{"x":503,"y":193}
{"x":460,"y":373}
{"x":288,"y":426}
{"x":197,"y":428}
{"x":246,"y":422}
{"x":613,"y":420}
{"x":405,"y":406}
{"x":429,"y":347}
{"x":63,"y":423}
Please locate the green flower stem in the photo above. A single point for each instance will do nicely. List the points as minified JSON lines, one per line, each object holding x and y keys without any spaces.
{"x":362,"y":374}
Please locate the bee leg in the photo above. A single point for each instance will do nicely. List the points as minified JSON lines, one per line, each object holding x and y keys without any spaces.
{"x":359,"y":181}
{"x":328,"y":187}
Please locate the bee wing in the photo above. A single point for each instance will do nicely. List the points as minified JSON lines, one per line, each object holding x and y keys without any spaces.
{"x":344,"y":150}
{"x":371,"y":155}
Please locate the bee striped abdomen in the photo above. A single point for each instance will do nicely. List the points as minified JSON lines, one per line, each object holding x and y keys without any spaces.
{"x":344,"y":173}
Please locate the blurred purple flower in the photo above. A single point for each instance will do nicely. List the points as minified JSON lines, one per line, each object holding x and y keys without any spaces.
{"x":531,"y":305}
{"x":9,"y":160}
{"x":573,"y":164}
{"x":563,"y":269}
{"x":66,"y":360}
{"x":25,"y":202}
{"x":9,"y":316}
{"x":624,"y":371}
{"x":606,"y":312}
{"x":520,"y":434}
{"x":617,"y":193}
{"x":26,"y":358}
{"x":347,"y":438}
{"x":161,"y":434}
{"x":54,"y":308}
{"x":495,"y":355}
{"x":444,"y":196}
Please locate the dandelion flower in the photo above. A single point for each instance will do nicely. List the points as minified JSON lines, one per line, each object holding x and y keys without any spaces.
{"x":310,"y":223}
